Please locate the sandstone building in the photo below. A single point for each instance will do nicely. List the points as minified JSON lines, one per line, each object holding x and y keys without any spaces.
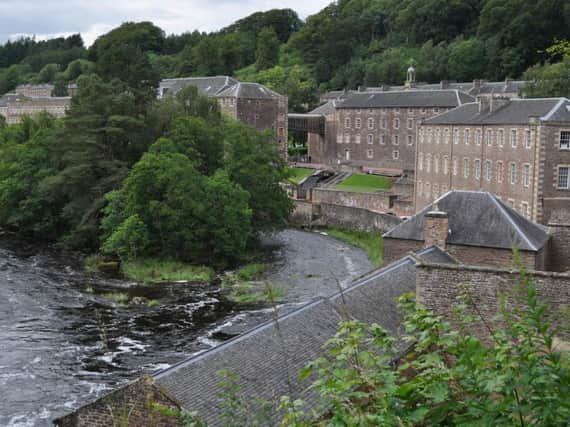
{"x":518,"y":149}
{"x":13,"y":107}
{"x":250,"y":103}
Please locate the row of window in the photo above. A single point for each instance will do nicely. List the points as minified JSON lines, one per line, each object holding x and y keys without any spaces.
{"x":347,"y":139}
{"x":396,"y":110}
{"x":492,"y":136}
{"x":370,"y":154}
{"x":370,"y":123}
{"x":425,"y":163}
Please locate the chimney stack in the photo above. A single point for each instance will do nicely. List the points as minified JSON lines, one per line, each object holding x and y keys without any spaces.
{"x":436,"y":228}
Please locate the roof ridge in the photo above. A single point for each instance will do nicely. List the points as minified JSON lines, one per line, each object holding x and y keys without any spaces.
{"x":507,"y":215}
{"x":548,"y":115}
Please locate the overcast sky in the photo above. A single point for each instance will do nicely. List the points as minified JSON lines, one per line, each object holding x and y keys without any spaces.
{"x":91,"y":18}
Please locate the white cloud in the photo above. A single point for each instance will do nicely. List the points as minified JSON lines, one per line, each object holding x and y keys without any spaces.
{"x":51,"y":18}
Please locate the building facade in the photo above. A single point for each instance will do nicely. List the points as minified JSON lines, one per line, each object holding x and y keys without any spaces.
{"x":517,"y":149}
{"x":378,"y":130}
{"x":15,"y":107}
{"x":250,"y":103}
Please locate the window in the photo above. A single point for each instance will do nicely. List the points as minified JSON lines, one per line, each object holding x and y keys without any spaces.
{"x":511,"y":203}
{"x":357,"y":138}
{"x":436,"y":110}
{"x":347,"y":123}
{"x":410,"y":140}
{"x":563,"y":181}
{"x":370,"y":138}
{"x":421,"y":161}
{"x":454,"y":166}
{"x":526,"y":175}
{"x":437,"y":135}
{"x":410,"y":123}
{"x":445,"y":165}
{"x":370,"y":123}
{"x":411,"y":111}
{"x":465,"y":168}
{"x":421,"y":132}
{"x":347,"y":138}
{"x":455,"y":136}
{"x":436,"y":191}
{"x":357,"y":123}
{"x":565,"y":140}
{"x":477,"y":169}
{"x":369,"y":153}
{"x":396,"y":110}
{"x":427,"y":190}
{"x":489,"y":137}
{"x":527,"y":138}
{"x":478,"y":137}
{"x":395,"y":154}
{"x":447,"y":135}
{"x":488,"y":170}
{"x":396,"y":123}
{"x":500,"y":172}
{"x":501,"y":137}
{"x":466,"y":136}
{"x":513,"y":173}
{"x":383,"y":139}
{"x":436,"y":164}
{"x":514,"y":138}
{"x":384,"y":123}
{"x":428,"y":163}
{"x":429,"y":132}
{"x":423,"y":110}
{"x":524,"y":209}
{"x":396,"y":140}
{"x":420,"y":188}
{"x":339,"y":138}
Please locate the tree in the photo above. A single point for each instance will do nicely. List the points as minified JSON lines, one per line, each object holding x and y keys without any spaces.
{"x":267,"y":52}
{"x":48,"y":73}
{"x":548,"y":80}
{"x":60,"y":86}
{"x":129,"y":240}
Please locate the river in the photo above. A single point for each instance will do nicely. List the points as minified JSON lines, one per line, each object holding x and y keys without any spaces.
{"x":62,"y":343}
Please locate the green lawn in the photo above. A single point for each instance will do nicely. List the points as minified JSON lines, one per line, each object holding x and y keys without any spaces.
{"x":365,"y":183}
{"x":372,"y":243}
{"x":297,"y":174}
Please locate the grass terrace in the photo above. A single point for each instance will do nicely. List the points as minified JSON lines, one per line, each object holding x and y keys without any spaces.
{"x":297,"y":174}
{"x":365,"y":183}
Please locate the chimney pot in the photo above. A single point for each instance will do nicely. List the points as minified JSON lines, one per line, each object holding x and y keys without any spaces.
{"x":436,"y":228}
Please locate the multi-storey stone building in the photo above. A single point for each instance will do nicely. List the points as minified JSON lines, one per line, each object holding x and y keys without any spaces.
{"x":13,"y":107}
{"x":378,"y":130}
{"x":518,"y":149}
{"x":249,"y":103}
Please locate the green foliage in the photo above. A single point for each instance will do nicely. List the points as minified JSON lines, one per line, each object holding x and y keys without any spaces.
{"x":297,"y":174}
{"x":128,"y":240}
{"x":549,"y":79}
{"x":251,"y":271}
{"x":267,"y":52}
{"x":371,"y":242}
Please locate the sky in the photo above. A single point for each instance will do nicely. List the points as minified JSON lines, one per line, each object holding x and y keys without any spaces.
{"x":91,"y":18}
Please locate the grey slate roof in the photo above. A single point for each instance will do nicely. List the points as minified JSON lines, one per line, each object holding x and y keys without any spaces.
{"x":248,"y":91}
{"x":327,"y":108}
{"x":268,"y":359}
{"x":477,"y":219}
{"x":7,"y":98}
{"x":515,"y":111}
{"x":210,"y":86}
{"x":434,"y":254}
{"x":405,"y":99}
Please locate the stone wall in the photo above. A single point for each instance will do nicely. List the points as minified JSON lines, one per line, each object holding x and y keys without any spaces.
{"x":378,"y":201}
{"x":559,"y":253}
{"x":395,"y":249}
{"x":439,"y":285}
{"x":131,"y":405}
{"x":355,"y":218}
{"x":303,"y":213}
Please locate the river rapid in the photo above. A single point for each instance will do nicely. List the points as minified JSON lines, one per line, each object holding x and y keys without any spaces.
{"x":62,"y":343}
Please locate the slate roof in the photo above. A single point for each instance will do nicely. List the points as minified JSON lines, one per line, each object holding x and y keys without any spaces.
{"x":268,"y":359}
{"x":210,"y":86}
{"x":405,"y":99}
{"x":248,"y":91}
{"x":434,"y":254}
{"x":514,"y":111}
{"x":326,"y":108}
{"x":477,"y":219}
{"x":7,"y":99}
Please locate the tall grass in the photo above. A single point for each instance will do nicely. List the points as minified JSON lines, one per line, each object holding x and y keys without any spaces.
{"x":154,"y":270}
{"x":371,"y":242}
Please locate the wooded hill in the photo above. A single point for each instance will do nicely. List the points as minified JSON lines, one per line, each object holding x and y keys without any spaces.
{"x":347,"y":44}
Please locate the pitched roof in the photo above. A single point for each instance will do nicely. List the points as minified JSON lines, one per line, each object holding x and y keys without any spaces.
{"x":206,"y":85}
{"x":477,"y":219}
{"x":406,"y":98}
{"x":268,"y":358}
{"x":248,"y":91}
{"x":514,"y":111}
{"x":327,"y":108}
